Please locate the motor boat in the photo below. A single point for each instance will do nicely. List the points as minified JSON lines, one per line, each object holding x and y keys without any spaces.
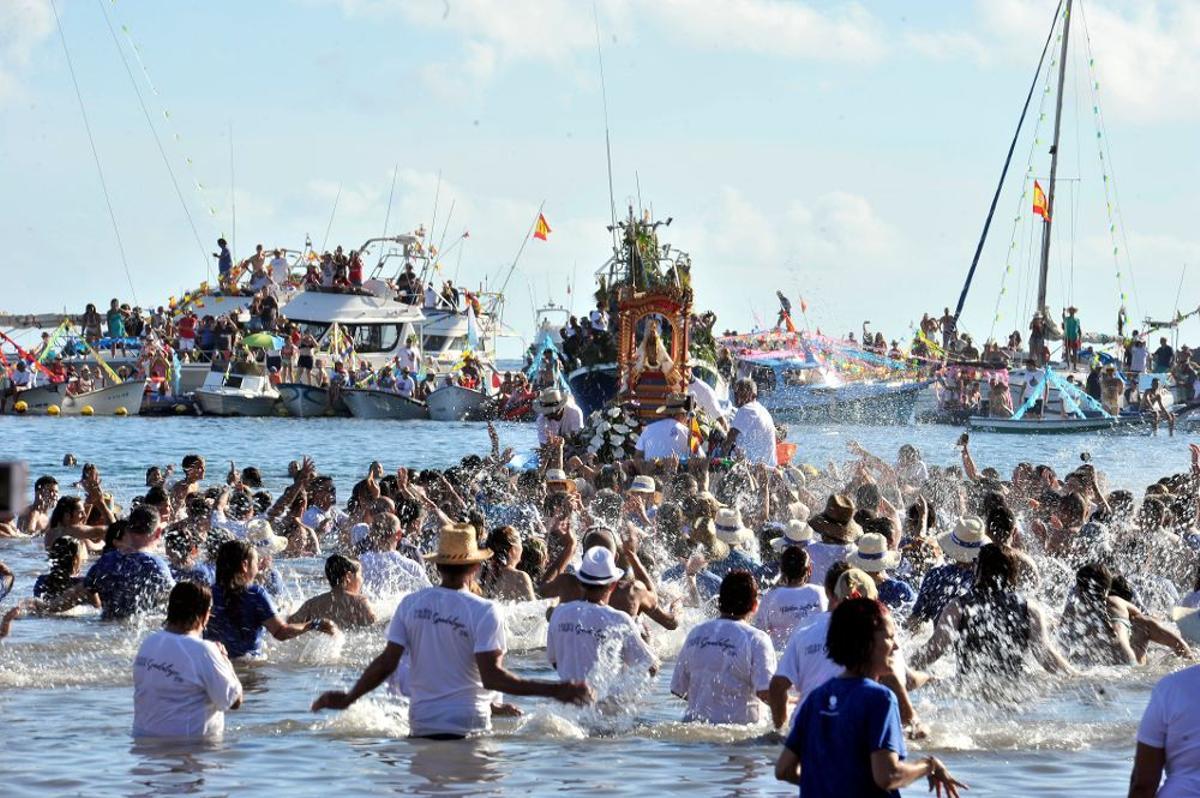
{"x":124,"y":398}
{"x":1031,"y":425}
{"x":455,"y":403}
{"x":310,"y":401}
{"x":377,"y":404}
{"x":238,"y":391}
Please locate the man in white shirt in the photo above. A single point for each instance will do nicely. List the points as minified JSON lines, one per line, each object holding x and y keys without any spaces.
{"x":599,"y":318}
{"x":752,"y":432}
{"x":385,"y":571}
{"x":279,"y":268}
{"x":707,"y":399}
{"x":587,"y":638}
{"x":408,"y":357}
{"x":405,"y":384}
{"x":456,"y":643}
{"x":182,"y":683}
{"x":558,"y":416}
{"x":667,"y":436}
{"x":18,"y":382}
{"x":431,"y":298}
{"x":725,"y":667}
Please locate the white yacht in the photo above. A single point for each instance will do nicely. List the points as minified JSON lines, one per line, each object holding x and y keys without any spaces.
{"x":240,"y":389}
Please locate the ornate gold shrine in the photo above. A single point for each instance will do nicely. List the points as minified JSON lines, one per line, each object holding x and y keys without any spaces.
{"x":652,"y":345}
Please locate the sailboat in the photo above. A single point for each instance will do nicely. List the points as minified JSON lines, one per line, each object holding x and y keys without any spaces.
{"x":1080,"y":412}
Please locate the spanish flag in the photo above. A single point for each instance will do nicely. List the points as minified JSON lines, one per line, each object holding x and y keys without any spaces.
{"x":1039,"y":201}
{"x":541,"y":229}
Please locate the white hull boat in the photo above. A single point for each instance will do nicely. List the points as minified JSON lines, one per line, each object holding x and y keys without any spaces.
{"x":1040,"y":426}
{"x":455,"y":403}
{"x":309,"y":401}
{"x":370,"y":403}
{"x":120,"y":399}
{"x":228,"y":394}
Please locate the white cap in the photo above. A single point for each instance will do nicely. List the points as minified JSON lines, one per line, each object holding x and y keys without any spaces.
{"x":599,"y":567}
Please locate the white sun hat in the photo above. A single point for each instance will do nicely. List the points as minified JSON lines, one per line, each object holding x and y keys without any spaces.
{"x":962,"y":544}
{"x":873,"y":555}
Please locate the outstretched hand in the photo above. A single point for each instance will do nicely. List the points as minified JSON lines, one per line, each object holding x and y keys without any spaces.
{"x":334,"y":699}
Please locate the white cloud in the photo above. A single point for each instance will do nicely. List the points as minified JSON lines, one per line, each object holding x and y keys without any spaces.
{"x":947,"y":45}
{"x":23,"y":25}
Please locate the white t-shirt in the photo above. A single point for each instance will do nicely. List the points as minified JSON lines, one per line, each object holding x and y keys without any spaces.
{"x":408,"y":359}
{"x":182,"y":686}
{"x":722,"y":665}
{"x":822,"y":555}
{"x":585,"y":639}
{"x":279,"y":270}
{"x":570,"y":423}
{"x":442,"y":630}
{"x":390,"y":572}
{"x":21,"y":379}
{"x":1137,"y":360}
{"x":1172,"y":722}
{"x":405,"y":385}
{"x":706,"y":397}
{"x":784,"y":608}
{"x":664,"y":438}
{"x":431,"y":297}
{"x":756,"y":433}
{"x":599,"y":320}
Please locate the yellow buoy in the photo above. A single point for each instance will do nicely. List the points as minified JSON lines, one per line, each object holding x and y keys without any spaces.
{"x":87,"y":410}
{"x":120,"y":411}
{"x":52,"y":410}
{"x":180,"y":408}
{"x":20,"y":406}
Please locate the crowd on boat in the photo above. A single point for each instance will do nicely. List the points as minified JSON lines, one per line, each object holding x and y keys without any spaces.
{"x":815,"y":600}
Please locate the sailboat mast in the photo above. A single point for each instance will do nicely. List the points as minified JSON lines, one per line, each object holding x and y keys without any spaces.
{"x":1062,"y":79}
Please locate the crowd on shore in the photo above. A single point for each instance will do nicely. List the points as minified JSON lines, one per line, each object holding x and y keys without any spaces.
{"x":814,"y":583}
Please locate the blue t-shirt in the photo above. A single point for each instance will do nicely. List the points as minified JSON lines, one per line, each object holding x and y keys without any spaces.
{"x":939,"y":586}
{"x":838,"y":727}
{"x":201,"y":573}
{"x":244,"y":637}
{"x":129,"y":582}
{"x":46,"y":587}
{"x":896,"y":593}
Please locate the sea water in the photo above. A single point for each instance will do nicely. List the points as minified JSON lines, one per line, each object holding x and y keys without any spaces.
{"x":66,"y":685}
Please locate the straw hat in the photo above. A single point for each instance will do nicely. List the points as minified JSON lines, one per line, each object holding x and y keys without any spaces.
{"x":704,"y":533}
{"x":837,"y":520}
{"x":549,"y":401}
{"x":963,"y":543}
{"x":599,"y":567}
{"x":642,"y":484}
{"x":855,"y":583}
{"x":557,"y":480}
{"x":730,"y":529}
{"x":458,"y":545}
{"x":796,"y":533}
{"x":873,"y":555}
{"x":261,"y":536}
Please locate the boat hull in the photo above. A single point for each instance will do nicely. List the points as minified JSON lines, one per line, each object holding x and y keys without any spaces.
{"x":309,"y":401}
{"x":369,"y":403}
{"x":236,"y":403}
{"x":104,"y":401}
{"x":1039,"y":426}
{"x":455,"y":403}
{"x":877,"y":405}
{"x":593,"y":386}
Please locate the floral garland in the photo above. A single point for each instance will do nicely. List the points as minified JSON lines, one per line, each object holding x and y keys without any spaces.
{"x":611,"y":434}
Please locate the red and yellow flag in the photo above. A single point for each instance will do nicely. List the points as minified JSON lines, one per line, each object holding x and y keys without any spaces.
{"x":542,"y":228}
{"x":1040,"y":207}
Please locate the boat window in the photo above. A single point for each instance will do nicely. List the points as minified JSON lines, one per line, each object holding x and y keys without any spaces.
{"x":374,"y":337}
{"x":314,"y":328}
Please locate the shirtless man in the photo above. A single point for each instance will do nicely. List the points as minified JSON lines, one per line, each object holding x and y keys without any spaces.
{"x":1155,"y":406}
{"x":193,"y":472}
{"x":36,"y":518}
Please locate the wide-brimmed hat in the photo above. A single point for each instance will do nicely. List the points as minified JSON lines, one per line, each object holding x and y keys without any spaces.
{"x":962,"y":544}
{"x":837,"y":519}
{"x":599,"y":567}
{"x":557,"y":479}
{"x":674,"y":403}
{"x":855,"y":583}
{"x":730,"y":528}
{"x":873,"y":554}
{"x":458,"y":545}
{"x":642,"y":484}
{"x":550,"y":400}
{"x":261,"y":536}
{"x":795,"y":533}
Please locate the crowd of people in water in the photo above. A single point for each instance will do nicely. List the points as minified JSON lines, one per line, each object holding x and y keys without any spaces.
{"x":818,"y":600}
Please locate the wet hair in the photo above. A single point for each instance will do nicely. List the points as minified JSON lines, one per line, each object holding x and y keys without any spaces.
{"x":1001,"y":524}
{"x":197,"y":505}
{"x":852,"y":627}
{"x":339,"y":568}
{"x":66,"y":506}
{"x":1121,"y":588}
{"x":502,"y":540}
{"x":143,"y":520}
{"x":833,"y":575}
{"x":1093,"y":581}
{"x":116,"y":530}
{"x":867,"y":496}
{"x":64,"y":553}
{"x":863,"y":515}
{"x":913,"y":513}
{"x":670,"y":520}
{"x":793,"y":563}
{"x":44,"y":481}
{"x":533,"y":559}
{"x":738,"y":593}
{"x":188,"y":604}
{"x":155,"y":496}
{"x":190,"y":460}
{"x":407,"y":511}
{"x":230,"y":557}
{"x":555,"y":503}
{"x":1072,"y":508}
{"x":1153,"y":514}
{"x":179,"y":543}
{"x":995,"y":570}
{"x":262,"y":501}
{"x":251,"y":477}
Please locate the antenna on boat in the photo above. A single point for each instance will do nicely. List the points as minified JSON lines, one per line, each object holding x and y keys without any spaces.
{"x":387,"y":216}
{"x":612,"y":202}
{"x":332,"y":213}
{"x":232,"y":196}
{"x":1046,"y":221}
{"x":524,"y":241}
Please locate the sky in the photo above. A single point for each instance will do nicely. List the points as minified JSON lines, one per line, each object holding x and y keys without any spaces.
{"x":841,"y":152}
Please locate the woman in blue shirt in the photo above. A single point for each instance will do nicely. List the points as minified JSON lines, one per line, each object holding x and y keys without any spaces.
{"x":847,"y":739}
{"x":242,"y":610}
